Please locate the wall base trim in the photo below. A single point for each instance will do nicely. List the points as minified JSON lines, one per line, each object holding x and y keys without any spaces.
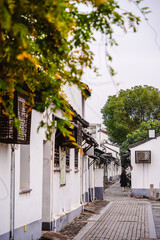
{"x":62,"y":221}
{"x":99,"y":193}
{"x":140,"y":192}
{"x":91,"y":194}
{"x":86,"y":197}
{"x":5,"y":236}
{"x":33,"y":232}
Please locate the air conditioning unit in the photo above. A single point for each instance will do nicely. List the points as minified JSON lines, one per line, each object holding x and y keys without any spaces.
{"x":142,"y":156}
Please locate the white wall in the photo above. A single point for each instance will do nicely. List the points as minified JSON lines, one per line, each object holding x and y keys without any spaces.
{"x":112,"y":149}
{"x":28,"y":206}
{"x":145,"y":174}
{"x":91,"y":180}
{"x":84,"y":176}
{"x":74,"y":97}
{"x":47,"y":178}
{"x":5,"y":167}
{"x":66,"y":198}
{"x":98,"y":177}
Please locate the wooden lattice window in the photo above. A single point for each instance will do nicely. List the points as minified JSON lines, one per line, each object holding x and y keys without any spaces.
{"x":67,"y":157}
{"x":79,"y":134}
{"x":8,"y":133}
{"x":56,"y":156}
{"x":76,"y":159}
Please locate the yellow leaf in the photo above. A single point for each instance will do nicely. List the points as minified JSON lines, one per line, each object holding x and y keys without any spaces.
{"x":74,"y":143}
{"x":57,"y":75}
{"x":64,"y":134}
{"x":82,"y":153}
{"x":3,"y":37}
{"x":71,"y":138}
{"x":24,"y":54}
{"x":29,"y":109}
{"x":69,"y":132}
{"x":99,"y":2}
{"x":20,"y":57}
{"x":72,"y":113}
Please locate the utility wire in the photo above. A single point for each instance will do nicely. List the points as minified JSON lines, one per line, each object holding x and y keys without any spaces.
{"x":86,"y":104}
{"x":111,"y":77}
{"x":96,"y":84}
{"x":93,"y":111}
{"x":149,"y":24}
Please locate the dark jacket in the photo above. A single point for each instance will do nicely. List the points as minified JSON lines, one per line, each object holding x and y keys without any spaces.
{"x":123,"y":180}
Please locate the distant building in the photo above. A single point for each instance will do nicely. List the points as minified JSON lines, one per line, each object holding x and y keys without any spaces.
{"x":145,"y":164}
{"x":106,"y":151}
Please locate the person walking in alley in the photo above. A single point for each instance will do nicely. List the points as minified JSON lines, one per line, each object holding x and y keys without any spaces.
{"x":123,"y":180}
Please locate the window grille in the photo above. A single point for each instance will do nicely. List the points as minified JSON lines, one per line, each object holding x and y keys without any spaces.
{"x":79,"y":134}
{"x":8,"y":133}
{"x":76,"y":159}
{"x":142,"y":156}
{"x":56,"y":156}
{"x":67,"y":158}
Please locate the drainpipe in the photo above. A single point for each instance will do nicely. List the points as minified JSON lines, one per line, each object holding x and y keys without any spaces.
{"x":90,"y":177}
{"x":12,"y":200}
{"x":82,"y":182}
{"x":53,"y":220}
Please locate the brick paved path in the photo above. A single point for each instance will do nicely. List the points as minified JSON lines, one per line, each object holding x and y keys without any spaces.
{"x":156,"y":216}
{"x":125,"y":218}
{"x":122,"y":220}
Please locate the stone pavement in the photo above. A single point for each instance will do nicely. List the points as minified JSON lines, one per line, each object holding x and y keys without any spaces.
{"x":124,"y":218}
{"x":117,"y":217}
{"x":156,"y":216}
{"x":76,"y":225}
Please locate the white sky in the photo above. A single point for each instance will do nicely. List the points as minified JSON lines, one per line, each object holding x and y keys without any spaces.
{"x":136,"y":61}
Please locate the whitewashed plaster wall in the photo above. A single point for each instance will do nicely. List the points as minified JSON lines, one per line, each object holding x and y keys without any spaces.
{"x":91,"y":180}
{"x":28,"y":206}
{"x":111,"y":170}
{"x":91,"y":174}
{"x":84,"y":177}
{"x":111,"y":149}
{"x":47,"y":181}
{"x":86,"y":174}
{"x":5,"y":169}
{"x":66,"y":198}
{"x":103,"y":136}
{"x":74,"y":96}
{"x":98,"y":177}
{"x":149,"y":173}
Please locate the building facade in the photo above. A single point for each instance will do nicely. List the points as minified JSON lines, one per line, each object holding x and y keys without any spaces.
{"x":145,"y":166}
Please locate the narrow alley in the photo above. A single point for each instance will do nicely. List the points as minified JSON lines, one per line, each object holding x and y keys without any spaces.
{"x":123,"y":218}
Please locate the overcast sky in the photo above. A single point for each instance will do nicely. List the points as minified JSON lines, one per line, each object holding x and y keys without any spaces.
{"x":136,"y":61}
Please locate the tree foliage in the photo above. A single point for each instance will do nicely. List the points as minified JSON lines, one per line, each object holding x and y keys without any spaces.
{"x":138,"y":135}
{"x":124,"y":113}
{"x":44,"y":44}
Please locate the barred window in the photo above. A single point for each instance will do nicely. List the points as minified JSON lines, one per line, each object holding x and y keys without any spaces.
{"x":67,"y":157}
{"x":56,"y":156}
{"x":76,"y":159}
{"x":79,"y":134}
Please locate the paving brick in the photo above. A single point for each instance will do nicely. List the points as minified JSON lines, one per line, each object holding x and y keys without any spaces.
{"x":126,"y":218}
